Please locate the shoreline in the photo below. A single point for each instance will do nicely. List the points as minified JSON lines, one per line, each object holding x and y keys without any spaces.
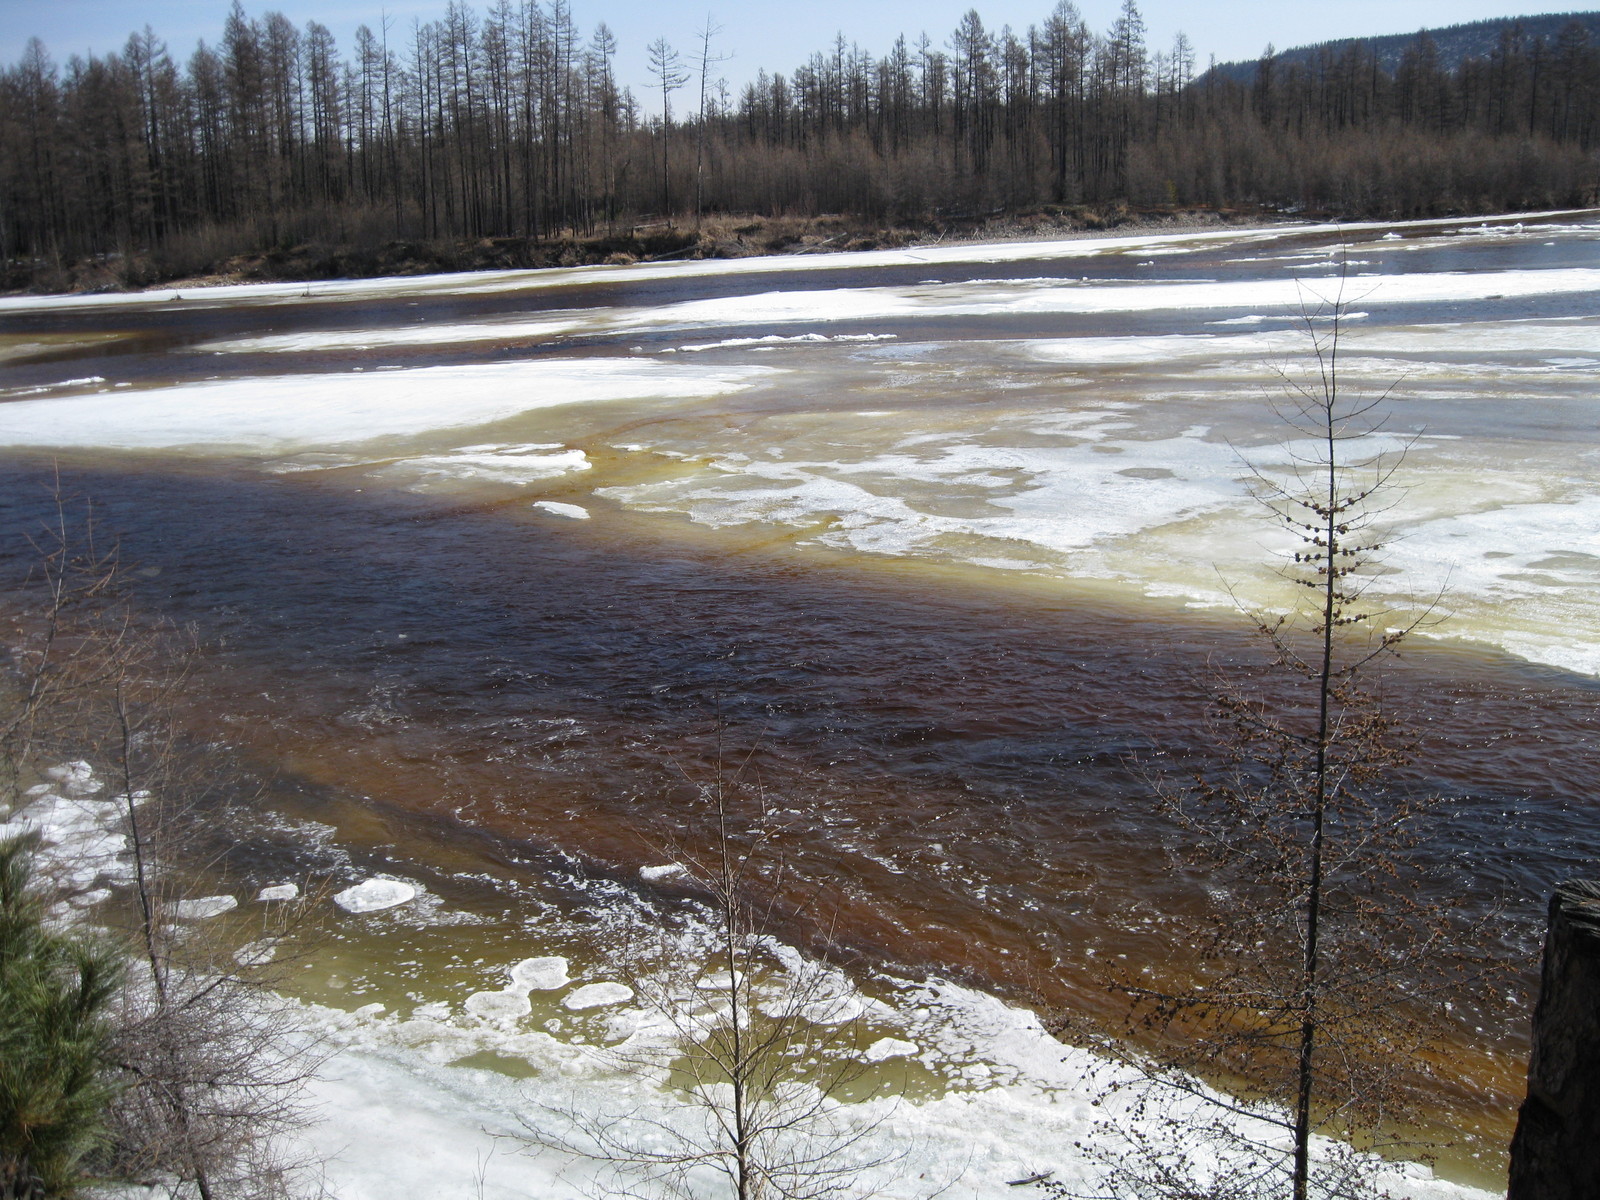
{"x":723,"y":236}
{"x":1004,"y":244}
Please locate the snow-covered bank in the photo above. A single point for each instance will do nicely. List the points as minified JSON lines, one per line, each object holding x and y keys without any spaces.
{"x":488,"y":282}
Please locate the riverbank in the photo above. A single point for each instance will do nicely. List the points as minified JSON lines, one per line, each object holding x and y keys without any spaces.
{"x":722,"y":236}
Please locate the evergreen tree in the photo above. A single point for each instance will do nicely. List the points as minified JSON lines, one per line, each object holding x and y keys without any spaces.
{"x":54,"y":993}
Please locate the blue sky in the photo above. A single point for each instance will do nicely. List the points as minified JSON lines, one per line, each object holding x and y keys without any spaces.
{"x":759,"y":34}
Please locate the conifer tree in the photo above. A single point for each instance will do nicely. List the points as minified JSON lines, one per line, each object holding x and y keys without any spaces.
{"x":54,"y":992}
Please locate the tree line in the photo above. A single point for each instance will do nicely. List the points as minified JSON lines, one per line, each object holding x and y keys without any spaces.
{"x":512,"y":124}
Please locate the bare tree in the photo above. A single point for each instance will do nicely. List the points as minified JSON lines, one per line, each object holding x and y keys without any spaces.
{"x":760,"y":1044}
{"x":670,"y":75}
{"x":207,"y":1060}
{"x":1313,"y":972}
{"x":705,"y":61}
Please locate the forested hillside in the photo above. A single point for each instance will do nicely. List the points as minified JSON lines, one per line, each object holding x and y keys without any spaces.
{"x":1452,"y":45}
{"x":510,"y":124}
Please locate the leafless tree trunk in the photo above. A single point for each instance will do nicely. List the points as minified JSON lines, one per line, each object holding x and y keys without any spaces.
{"x":745,"y":1022}
{"x":1315,"y":977}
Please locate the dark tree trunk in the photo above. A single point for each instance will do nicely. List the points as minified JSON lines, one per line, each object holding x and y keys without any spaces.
{"x":1555,"y":1154}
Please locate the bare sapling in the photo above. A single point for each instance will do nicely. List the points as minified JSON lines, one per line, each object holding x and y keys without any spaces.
{"x":1278,"y":1054}
{"x":756,"y":1045}
{"x":206,"y":1060}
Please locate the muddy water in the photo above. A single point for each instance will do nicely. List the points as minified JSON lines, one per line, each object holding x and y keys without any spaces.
{"x":958,"y":720}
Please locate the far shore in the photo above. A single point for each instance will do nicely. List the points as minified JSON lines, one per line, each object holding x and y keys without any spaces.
{"x":725,"y":236}
{"x":718,"y":237}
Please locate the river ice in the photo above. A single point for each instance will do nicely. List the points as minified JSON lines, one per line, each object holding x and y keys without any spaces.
{"x":1092,"y":428}
{"x":403,"y":1124}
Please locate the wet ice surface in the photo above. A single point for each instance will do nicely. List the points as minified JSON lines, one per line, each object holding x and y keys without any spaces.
{"x":1083,"y":410}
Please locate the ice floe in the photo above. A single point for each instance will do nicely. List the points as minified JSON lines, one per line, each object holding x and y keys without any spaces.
{"x":257,"y":953}
{"x":374,"y":895}
{"x":283,"y":413}
{"x":662,"y":871}
{"x":503,"y":1005}
{"x":75,"y":778}
{"x":202,"y":908}
{"x":558,"y":508}
{"x":83,"y":835}
{"x":778,"y":339}
{"x":542,"y":974}
{"x":512,"y":1002}
{"x":597,"y":995}
{"x":518,"y":466}
{"x":888,"y":1047}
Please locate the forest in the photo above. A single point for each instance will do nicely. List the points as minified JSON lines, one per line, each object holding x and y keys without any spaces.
{"x":507,"y":130}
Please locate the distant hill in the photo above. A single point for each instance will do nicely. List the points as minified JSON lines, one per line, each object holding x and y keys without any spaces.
{"x":1456,"y":43}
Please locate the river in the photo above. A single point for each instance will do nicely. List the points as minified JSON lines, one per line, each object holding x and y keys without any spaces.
{"x":946,"y":545}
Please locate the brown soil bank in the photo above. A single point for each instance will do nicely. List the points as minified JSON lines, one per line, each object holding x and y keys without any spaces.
{"x":718,"y":236}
